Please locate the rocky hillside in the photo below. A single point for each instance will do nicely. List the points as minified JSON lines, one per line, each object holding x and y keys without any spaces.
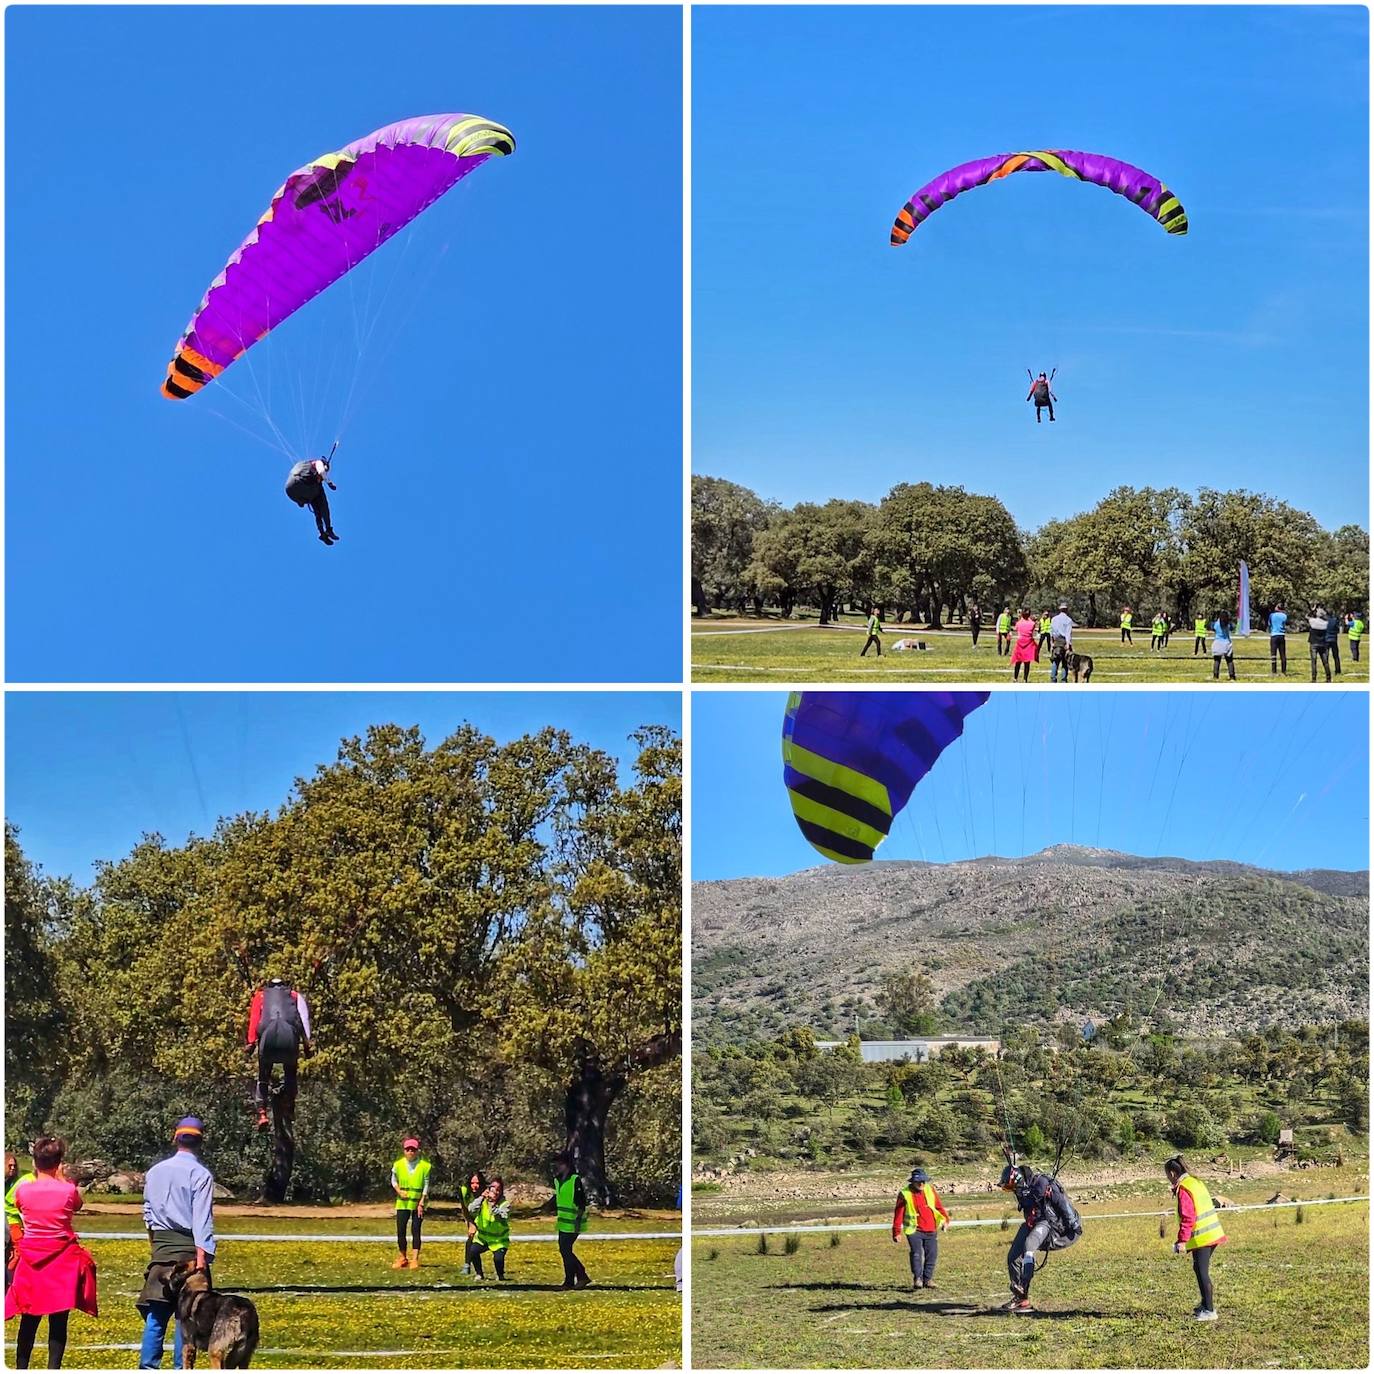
{"x":1065,"y":934}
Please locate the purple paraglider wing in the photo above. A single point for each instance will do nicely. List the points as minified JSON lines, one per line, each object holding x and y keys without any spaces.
{"x":324,"y":220}
{"x":851,"y":760}
{"x":1138,"y":187}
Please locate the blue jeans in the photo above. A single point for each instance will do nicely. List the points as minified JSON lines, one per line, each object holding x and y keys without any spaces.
{"x":155,"y":1333}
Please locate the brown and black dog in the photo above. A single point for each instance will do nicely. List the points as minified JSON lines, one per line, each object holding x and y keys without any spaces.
{"x":224,"y":1325}
{"x":1081,"y":664}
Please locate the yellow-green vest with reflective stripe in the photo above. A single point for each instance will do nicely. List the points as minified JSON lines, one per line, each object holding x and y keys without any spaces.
{"x":1044,"y":624}
{"x":492,"y":1230}
{"x":12,"y":1217}
{"x":1356,"y":628}
{"x":909,"y":1220}
{"x":1157,"y":625}
{"x":1125,"y":620}
{"x":1200,"y":627}
{"x":1003,"y":623}
{"x":570,"y":1216}
{"x":1207,"y":1226}
{"x":411,"y":1182}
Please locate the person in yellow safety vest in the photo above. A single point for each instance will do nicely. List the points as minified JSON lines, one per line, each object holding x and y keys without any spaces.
{"x":1043,"y":639}
{"x":920,"y":1216}
{"x":490,"y":1213}
{"x":410,"y":1183}
{"x":14,"y":1225}
{"x":1356,"y":634}
{"x":875,"y":629}
{"x":1199,"y":635}
{"x":1004,"y":632}
{"x":569,"y":1200}
{"x":468,"y":1194}
{"x":1157,"y":631}
{"x":1199,"y":1231}
{"x":1126,"y":626}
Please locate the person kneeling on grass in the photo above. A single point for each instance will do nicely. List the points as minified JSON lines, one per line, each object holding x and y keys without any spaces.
{"x":920,"y":1216}
{"x":490,"y":1214}
{"x":410,"y":1183}
{"x":1199,"y":1231}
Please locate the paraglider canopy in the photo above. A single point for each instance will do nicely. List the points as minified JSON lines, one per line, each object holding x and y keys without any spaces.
{"x":1139,"y":187}
{"x":322,"y":221}
{"x":852,"y":759}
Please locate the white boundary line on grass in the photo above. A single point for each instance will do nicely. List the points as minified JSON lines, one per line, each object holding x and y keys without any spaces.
{"x":725,"y":1232}
{"x":391,"y":1239}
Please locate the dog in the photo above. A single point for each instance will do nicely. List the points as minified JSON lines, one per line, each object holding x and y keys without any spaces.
{"x":1081,"y":663}
{"x":224,"y":1325}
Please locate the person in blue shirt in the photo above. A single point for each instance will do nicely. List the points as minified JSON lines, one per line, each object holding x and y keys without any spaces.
{"x":1278,"y":645}
{"x":179,"y":1212}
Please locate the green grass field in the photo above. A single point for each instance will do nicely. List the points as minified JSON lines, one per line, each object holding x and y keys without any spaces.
{"x":1291,"y":1293}
{"x":770,"y":650}
{"x":339,"y":1305}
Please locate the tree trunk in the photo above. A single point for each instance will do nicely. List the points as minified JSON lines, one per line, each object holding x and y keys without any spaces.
{"x":591,"y":1095}
{"x":278,"y":1180}
{"x":700,"y":606}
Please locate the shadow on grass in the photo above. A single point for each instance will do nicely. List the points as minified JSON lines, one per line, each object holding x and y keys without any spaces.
{"x":954,"y":1308}
{"x":960,"y":1309}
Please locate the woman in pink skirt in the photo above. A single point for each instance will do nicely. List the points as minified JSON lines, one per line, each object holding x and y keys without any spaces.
{"x":1024,"y":652}
{"x":54,"y":1273}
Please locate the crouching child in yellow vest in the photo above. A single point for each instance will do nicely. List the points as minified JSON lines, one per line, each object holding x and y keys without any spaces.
{"x":920,"y":1217}
{"x":410,"y":1183}
{"x":490,"y":1220}
{"x":1199,"y":1231}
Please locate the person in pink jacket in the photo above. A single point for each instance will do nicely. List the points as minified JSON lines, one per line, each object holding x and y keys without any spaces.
{"x":54,"y":1273}
{"x":1024,"y":651}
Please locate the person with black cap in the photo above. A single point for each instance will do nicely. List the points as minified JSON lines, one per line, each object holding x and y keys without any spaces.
{"x":1050,"y":1223}
{"x":179,"y":1212}
{"x":920,"y":1216}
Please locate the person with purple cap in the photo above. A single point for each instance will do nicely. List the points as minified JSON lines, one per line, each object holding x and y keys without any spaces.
{"x":179,"y":1212}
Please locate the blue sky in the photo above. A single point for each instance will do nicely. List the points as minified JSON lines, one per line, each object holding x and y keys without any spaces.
{"x":1274,"y":780}
{"x":826,"y":363}
{"x":88,"y":773}
{"x":510,"y":485}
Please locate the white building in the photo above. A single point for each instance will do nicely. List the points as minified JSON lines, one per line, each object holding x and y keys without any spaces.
{"x":917,"y":1050}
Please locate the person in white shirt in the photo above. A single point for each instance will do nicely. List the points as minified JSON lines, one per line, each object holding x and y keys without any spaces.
{"x":1061,"y":643}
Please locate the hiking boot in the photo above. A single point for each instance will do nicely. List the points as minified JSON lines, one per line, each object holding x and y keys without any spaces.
{"x":415,"y":1260}
{"x":400,"y":1262}
{"x":915,"y":1285}
{"x":1206,"y":1315}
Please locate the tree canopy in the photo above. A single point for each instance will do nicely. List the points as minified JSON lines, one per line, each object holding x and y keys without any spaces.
{"x":925,"y":552}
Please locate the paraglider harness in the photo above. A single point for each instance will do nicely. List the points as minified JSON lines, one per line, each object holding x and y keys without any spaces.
{"x":1040,"y":391}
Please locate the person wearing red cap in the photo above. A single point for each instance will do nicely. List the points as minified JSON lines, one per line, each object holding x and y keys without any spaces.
{"x":410,"y":1183}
